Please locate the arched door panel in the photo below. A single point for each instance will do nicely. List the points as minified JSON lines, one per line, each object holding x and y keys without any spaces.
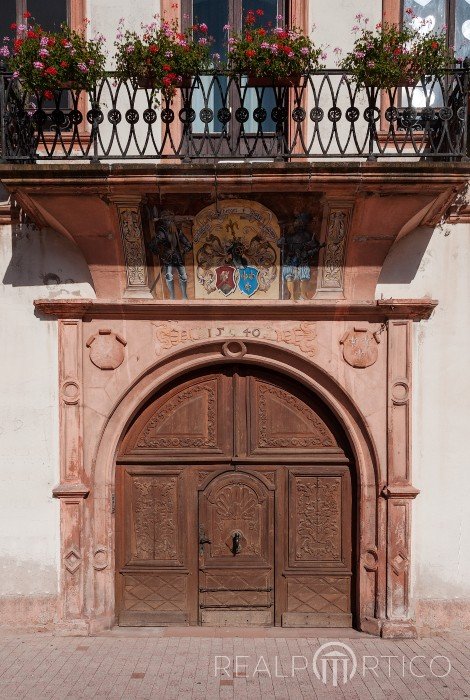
{"x":196,"y":415}
{"x":234,"y":506}
{"x":281,"y":421}
{"x":236,"y":552}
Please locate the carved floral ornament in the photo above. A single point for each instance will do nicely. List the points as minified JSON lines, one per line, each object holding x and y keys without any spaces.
{"x":298,"y":336}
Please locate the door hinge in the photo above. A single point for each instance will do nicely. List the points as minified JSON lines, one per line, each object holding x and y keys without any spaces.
{"x":113,"y":503}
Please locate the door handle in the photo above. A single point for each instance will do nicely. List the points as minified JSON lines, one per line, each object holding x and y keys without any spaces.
{"x":236,"y":543}
{"x":202,"y":540}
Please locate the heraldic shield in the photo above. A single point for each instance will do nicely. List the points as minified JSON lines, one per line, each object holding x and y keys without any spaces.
{"x":226,"y":279}
{"x":248,"y":282}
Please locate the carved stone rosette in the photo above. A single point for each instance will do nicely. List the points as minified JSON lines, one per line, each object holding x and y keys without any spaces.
{"x":133,"y":246}
{"x":338,"y":216}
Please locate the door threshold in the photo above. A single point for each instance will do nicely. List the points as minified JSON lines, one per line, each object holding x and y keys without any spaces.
{"x":237,"y":632}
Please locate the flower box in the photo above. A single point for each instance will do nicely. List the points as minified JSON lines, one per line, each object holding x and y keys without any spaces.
{"x":273,"y":81}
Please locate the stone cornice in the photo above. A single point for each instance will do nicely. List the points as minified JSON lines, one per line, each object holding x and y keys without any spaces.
{"x":375,"y":311}
{"x":400,"y":491}
{"x":111,"y":178}
{"x":70,"y":490}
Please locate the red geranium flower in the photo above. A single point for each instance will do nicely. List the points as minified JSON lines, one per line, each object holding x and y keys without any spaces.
{"x":31,"y":34}
{"x":260,"y":13}
{"x":250,"y":53}
{"x":434,"y":45}
{"x":166,"y":67}
{"x":26,"y":14}
{"x":153,"y":48}
{"x":51,"y":70}
{"x":13,"y":25}
{"x":64,"y":64}
{"x":48,"y":94}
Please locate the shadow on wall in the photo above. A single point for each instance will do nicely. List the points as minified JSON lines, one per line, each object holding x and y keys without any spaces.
{"x":405,"y":258}
{"x":46,"y":258}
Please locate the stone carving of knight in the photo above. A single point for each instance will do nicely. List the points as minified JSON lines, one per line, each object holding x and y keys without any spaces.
{"x":299,"y":247}
{"x":171,"y":245}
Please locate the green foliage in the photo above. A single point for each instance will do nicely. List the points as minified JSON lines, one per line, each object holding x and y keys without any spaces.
{"x":390,"y":56}
{"x":161,"y":54}
{"x":272,"y":52}
{"x":46,"y":61}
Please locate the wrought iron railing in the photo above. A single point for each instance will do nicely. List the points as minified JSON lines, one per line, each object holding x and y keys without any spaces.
{"x":219,"y":117}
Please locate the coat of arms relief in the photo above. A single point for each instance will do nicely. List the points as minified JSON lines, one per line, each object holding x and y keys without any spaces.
{"x":235,"y":251}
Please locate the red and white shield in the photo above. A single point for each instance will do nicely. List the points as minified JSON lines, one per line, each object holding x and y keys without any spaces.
{"x":225,"y":279}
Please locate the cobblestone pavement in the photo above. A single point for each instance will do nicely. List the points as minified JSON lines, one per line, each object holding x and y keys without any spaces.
{"x":183,"y":664}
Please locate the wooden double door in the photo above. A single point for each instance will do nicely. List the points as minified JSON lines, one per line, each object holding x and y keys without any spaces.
{"x":234,"y":507}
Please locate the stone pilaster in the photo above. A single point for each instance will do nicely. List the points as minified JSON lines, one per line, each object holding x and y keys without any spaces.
{"x":71,"y":491}
{"x":399,"y":491}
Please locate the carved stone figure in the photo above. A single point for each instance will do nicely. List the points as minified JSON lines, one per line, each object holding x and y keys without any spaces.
{"x":299,"y":247}
{"x":171,"y":245}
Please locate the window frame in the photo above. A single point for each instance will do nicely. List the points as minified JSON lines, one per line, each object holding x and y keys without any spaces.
{"x":235,"y":14}
{"x":297,"y":16}
{"x":392,"y":11}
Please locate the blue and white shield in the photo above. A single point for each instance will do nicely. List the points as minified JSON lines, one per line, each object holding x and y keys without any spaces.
{"x":248,"y":281}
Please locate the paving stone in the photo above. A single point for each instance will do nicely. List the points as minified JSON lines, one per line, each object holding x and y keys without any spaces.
{"x":245,"y":665}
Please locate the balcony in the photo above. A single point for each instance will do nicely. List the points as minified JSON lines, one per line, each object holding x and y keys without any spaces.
{"x":219,"y":118}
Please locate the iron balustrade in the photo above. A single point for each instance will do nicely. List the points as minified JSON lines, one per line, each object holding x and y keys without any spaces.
{"x":219,"y":117}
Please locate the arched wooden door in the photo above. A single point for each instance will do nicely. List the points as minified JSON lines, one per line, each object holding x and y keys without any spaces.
{"x":234,"y":506}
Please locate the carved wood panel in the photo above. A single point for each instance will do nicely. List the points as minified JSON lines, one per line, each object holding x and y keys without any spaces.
{"x":194,"y":416}
{"x":316,"y":505}
{"x":151,"y":571}
{"x":281,"y":420}
{"x":319,"y":547}
{"x":319,"y":517}
{"x":155,"y":522}
{"x":154,"y":598}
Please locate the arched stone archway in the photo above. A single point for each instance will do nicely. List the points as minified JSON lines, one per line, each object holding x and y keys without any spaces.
{"x":369,"y":564}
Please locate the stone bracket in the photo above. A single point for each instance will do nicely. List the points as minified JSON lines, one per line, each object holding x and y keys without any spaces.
{"x":133,"y":246}
{"x":337,"y":218}
{"x":69,"y":490}
{"x":400,"y":491}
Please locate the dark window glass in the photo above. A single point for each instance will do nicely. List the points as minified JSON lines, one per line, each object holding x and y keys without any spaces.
{"x":269,"y":8}
{"x":50,"y":14}
{"x":7,"y":16}
{"x":215,"y":15}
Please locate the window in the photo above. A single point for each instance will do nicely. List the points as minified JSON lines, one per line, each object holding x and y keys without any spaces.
{"x":452,"y":14}
{"x":50,"y":14}
{"x":7,"y":16}
{"x":216,"y":14}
